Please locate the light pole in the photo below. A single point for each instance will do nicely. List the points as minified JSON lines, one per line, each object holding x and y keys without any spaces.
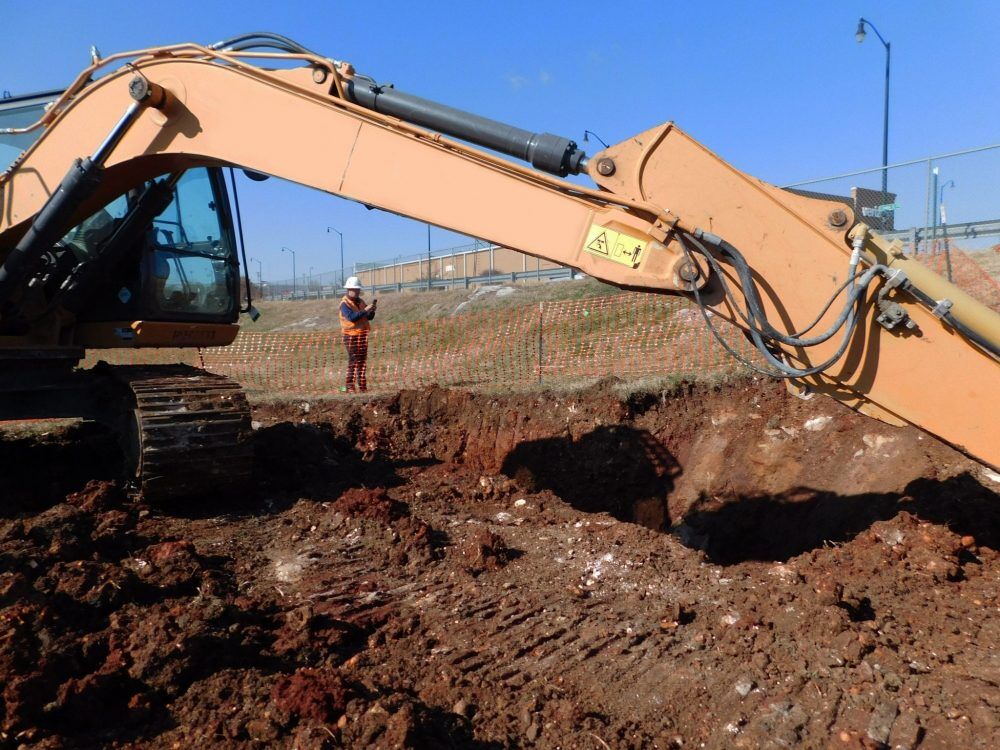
{"x":260,"y":275}
{"x":309,"y":288}
{"x":289,"y":250}
{"x":944,"y":226}
{"x":860,"y":36}
{"x":331,"y":229}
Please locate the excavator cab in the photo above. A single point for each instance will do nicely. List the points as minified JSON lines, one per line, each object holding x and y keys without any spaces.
{"x":185,"y":268}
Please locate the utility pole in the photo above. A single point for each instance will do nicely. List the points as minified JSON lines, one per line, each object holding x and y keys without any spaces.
{"x":331,"y":229}
{"x":289,"y":250}
{"x":260,"y":275}
{"x":860,"y":36}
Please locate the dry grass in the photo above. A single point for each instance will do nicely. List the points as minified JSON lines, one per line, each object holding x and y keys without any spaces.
{"x":989,"y":260}
{"x":321,"y":315}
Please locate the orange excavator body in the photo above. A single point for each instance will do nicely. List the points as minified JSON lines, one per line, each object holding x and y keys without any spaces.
{"x":666,"y":215}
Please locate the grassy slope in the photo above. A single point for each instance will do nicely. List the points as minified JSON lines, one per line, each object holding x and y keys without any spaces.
{"x":321,"y":315}
{"x":990,"y":260}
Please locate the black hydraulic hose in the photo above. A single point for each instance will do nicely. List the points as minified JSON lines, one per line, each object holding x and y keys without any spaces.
{"x":852,"y":279}
{"x":267,"y":39}
{"x":756,"y":307}
{"x":853,"y":314}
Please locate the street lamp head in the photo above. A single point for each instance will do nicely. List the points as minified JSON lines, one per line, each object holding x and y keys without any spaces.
{"x":860,"y":33}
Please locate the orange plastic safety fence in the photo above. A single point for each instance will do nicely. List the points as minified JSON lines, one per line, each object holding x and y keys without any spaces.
{"x":628,"y":335}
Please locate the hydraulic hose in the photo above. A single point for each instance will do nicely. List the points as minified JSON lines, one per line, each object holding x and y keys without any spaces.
{"x":755,"y":316}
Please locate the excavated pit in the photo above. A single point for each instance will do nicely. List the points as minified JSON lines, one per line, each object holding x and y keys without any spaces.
{"x":715,"y":566}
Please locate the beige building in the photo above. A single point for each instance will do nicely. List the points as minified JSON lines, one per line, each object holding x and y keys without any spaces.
{"x":495,"y":261}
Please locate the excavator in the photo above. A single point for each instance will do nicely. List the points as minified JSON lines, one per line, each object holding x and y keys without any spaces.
{"x":117,"y":230}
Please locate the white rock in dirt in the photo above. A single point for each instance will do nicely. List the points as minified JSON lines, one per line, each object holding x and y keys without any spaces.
{"x":817,"y":423}
{"x":288,"y":569}
{"x":305,"y":407}
{"x":892,"y":537}
{"x":520,"y":503}
{"x":724,"y":418}
{"x":255,"y":425}
{"x":743,"y":687}
{"x":875,"y":442}
{"x":503,"y":517}
{"x":783,"y":571}
{"x":731,"y":618}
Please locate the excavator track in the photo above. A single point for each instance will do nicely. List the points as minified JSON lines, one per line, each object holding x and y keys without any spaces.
{"x":187,"y":432}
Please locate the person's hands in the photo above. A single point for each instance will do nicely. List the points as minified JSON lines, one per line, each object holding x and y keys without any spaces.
{"x":371,"y":306}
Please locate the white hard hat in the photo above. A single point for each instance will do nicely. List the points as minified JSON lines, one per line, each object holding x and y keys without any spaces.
{"x":352,"y":283}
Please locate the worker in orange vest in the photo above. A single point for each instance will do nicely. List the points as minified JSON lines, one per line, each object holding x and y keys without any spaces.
{"x":355,"y":317}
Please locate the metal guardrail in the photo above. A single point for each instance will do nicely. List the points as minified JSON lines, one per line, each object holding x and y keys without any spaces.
{"x":969,"y":230}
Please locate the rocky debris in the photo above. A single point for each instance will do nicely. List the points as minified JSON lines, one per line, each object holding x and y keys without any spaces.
{"x":817,"y":599}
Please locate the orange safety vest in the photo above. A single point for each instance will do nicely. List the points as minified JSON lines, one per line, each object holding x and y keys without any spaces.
{"x":357,"y":327}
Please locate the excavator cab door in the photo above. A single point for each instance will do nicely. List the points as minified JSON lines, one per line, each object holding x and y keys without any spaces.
{"x":186,"y":267}
{"x":190,"y":269}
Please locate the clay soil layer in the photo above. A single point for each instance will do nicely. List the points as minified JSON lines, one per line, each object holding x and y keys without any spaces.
{"x":711,"y":567}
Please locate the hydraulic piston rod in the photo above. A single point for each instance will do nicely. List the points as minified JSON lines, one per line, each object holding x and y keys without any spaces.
{"x":550,"y":153}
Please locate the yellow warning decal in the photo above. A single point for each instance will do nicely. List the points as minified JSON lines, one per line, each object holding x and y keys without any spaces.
{"x":613,"y":245}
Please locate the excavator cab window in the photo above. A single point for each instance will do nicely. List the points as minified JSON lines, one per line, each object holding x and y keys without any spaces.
{"x":185,"y":268}
{"x":190,"y":263}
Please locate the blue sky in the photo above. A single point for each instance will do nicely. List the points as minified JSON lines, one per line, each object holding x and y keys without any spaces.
{"x":780,"y":89}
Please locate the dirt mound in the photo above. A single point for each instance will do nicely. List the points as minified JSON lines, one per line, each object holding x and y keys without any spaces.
{"x":484,"y":550}
{"x":312,"y":694}
{"x":725,"y":567}
{"x":373,"y":504}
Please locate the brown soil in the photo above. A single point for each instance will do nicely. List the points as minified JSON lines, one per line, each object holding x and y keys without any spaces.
{"x":726,"y":567}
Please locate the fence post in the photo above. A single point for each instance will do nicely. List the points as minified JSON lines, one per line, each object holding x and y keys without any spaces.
{"x":541,"y":339}
{"x":930,"y":203}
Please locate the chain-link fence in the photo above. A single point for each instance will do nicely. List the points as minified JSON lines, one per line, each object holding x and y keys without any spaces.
{"x":931,"y":205}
